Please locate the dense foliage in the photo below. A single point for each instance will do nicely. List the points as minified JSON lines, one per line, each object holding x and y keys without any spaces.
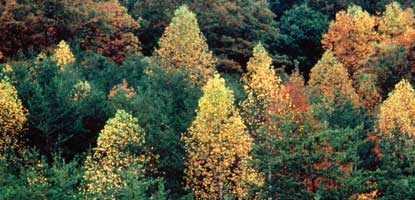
{"x":239,"y":99}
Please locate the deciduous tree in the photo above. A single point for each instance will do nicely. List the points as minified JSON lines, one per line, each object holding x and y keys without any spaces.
{"x":119,"y":149}
{"x":184,"y":45}
{"x":330,"y":83}
{"x":218,"y":147}
{"x":261,"y":85}
{"x":398,"y":110}
{"x":63,"y":55}
{"x":12,"y":117}
{"x":351,"y":37}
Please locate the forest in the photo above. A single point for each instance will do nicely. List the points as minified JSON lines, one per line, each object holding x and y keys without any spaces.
{"x":215,"y":99}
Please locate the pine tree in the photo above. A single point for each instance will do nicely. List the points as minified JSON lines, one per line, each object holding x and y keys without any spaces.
{"x":184,"y":45}
{"x":218,"y":147}
{"x":13,"y":117}
{"x":261,"y":85}
{"x":119,"y":151}
{"x":351,"y":37}
{"x":398,"y":110}
{"x":330,"y":83}
{"x":63,"y":55}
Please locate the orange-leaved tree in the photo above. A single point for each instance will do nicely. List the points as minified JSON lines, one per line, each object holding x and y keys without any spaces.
{"x":217,"y":147}
{"x":351,"y":37}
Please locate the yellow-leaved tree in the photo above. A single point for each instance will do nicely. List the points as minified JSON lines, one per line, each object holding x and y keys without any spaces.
{"x":397,"y":112}
{"x":351,"y":37}
{"x":13,"y":117}
{"x":183,"y":45}
{"x":119,"y":151}
{"x":63,"y":55}
{"x":397,"y":24}
{"x":330,"y":82}
{"x":218,"y":146}
{"x":261,"y":85}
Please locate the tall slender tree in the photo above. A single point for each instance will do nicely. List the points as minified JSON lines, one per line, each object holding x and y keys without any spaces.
{"x":13,"y":117}
{"x":261,"y":85}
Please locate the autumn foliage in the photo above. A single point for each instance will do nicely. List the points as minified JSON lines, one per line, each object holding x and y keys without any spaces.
{"x":13,"y":117}
{"x":351,"y":37}
{"x":119,"y":148}
{"x":329,"y":80}
{"x":218,"y":147}
{"x":183,"y":45}
{"x":261,"y":86}
{"x":397,"y":111}
{"x":63,"y":55}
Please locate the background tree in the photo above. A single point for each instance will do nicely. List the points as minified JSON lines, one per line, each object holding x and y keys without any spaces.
{"x":232,"y":28}
{"x":63,"y":55}
{"x":383,"y":69}
{"x":218,"y":147}
{"x":397,"y":111}
{"x":330,"y":84}
{"x":302,"y":26}
{"x":183,"y":45}
{"x":351,"y":37}
{"x":104,"y":26}
{"x":260,"y":84}
{"x":13,"y":117}
{"x":395,"y":21}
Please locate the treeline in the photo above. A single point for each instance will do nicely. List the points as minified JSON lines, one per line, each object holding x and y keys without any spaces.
{"x":183,"y":100}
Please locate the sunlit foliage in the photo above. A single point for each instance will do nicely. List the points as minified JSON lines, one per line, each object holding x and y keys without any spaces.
{"x":63,"y":55}
{"x":398,"y":110}
{"x":119,"y":150}
{"x":13,"y":117}
{"x":351,"y":37}
{"x":261,"y":85}
{"x":396,"y":23}
{"x":330,"y":82}
{"x":218,"y":147}
{"x":183,"y":45}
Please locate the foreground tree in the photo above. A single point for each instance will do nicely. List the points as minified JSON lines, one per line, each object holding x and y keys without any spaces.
{"x":184,"y":45}
{"x":119,"y":152}
{"x":398,"y":110}
{"x":218,"y":147}
{"x":12,"y":117}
